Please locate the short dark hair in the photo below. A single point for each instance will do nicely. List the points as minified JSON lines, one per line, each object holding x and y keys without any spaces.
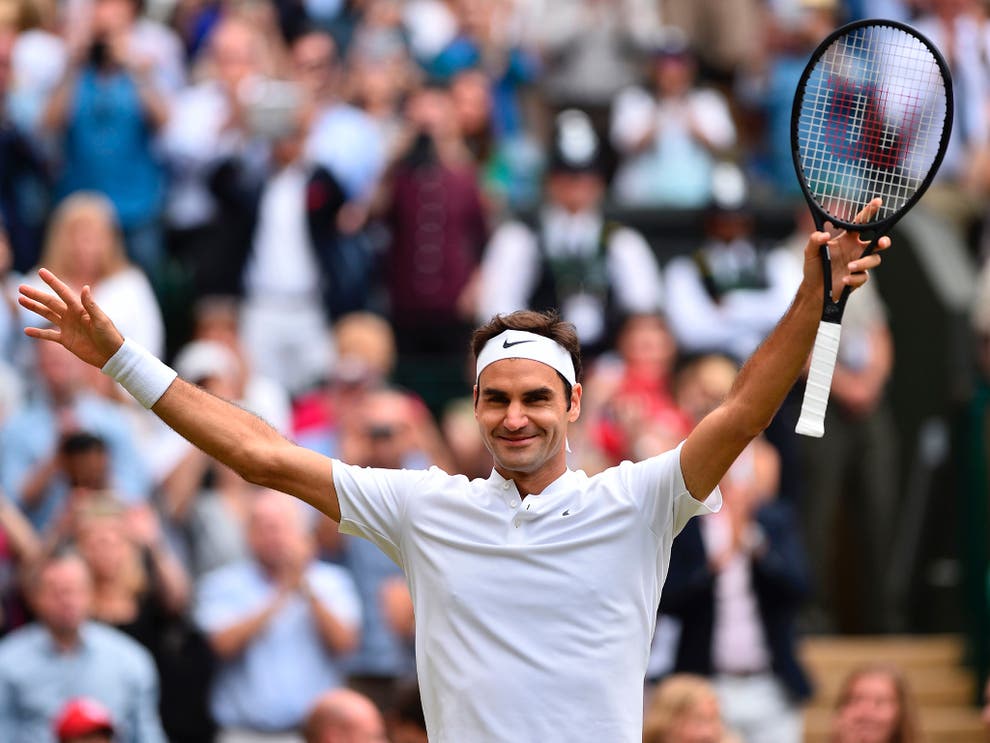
{"x":81,"y":442}
{"x":548,"y":324}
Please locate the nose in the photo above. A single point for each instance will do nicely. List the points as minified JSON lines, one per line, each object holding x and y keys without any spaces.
{"x":515,"y":417}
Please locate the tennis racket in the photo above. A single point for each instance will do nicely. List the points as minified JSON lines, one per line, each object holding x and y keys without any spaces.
{"x":871,"y":117}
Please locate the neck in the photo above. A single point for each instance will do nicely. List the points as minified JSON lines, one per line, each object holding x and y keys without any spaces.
{"x":66,"y":640}
{"x":533,"y":483}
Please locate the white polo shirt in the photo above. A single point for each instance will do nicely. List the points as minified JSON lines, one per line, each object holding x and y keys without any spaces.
{"x":533,"y":617}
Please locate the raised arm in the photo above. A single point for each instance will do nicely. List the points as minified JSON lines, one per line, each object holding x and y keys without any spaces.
{"x":771,"y":371}
{"x":233,"y":436}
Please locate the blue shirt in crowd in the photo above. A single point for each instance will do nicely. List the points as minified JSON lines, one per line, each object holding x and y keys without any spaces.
{"x":273,"y":683}
{"x":37,"y":679}
{"x":29,"y":437}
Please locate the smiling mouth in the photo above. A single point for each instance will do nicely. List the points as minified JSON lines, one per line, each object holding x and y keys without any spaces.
{"x":516,"y":440}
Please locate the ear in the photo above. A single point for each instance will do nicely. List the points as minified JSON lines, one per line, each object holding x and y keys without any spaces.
{"x":575,"y":412}
{"x":474,"y":394}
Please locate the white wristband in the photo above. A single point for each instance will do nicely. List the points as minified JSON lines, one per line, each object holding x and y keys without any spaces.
{"x":139,"y":372}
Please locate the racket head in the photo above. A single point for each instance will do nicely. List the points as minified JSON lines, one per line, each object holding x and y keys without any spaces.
{"x":871,"y":117}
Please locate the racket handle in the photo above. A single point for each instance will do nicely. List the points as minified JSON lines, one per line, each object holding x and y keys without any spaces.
{"x":812,"y":420}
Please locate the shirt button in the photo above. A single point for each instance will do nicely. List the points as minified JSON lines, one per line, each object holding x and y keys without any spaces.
{"x":514,"y":503}
{"x":505,"y":486}
{"x":517,"y":522}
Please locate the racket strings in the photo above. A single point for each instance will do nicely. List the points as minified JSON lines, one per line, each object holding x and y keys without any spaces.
{"x":870,"y":122}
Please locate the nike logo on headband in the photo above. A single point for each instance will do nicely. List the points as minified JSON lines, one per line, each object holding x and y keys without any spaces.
{"x":506,"y":344}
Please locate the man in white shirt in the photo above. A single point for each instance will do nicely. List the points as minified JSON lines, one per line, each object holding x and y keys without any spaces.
{"x":595,"y":270}
{"x":535,"y":590}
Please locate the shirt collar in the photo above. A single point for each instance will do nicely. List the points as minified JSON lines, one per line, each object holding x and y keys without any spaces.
{"x":561,"y":484}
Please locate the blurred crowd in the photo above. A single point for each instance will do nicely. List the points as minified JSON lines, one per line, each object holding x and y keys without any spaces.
{"x":305,"y":206}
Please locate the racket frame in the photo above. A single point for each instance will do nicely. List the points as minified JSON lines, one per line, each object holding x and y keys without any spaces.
{"x":811,"y":422}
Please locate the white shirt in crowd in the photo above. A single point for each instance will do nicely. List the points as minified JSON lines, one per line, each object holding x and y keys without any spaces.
{"x":510,"y":268}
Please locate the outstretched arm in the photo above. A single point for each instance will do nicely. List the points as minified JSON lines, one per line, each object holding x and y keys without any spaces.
{"x":233,"y":436}
{"x":773,"y":368}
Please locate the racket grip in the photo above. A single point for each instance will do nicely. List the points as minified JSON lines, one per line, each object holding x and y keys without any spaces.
{"x":812,"y":420}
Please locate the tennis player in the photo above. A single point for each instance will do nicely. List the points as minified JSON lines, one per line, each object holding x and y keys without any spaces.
{"x":536,"y":589}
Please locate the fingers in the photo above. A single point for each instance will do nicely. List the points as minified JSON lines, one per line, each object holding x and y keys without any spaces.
{"x":44,"y":334}
{"x":39,"y":309}
{"x":62,"y":289}
{"x":50,"y":301}
{"x":89,"y":304}
{"x":869,"y":211}
{"x":858,"y":270}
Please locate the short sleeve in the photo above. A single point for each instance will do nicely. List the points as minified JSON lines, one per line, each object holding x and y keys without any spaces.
{"x":373,"y":503}
{"x":667,"y":504}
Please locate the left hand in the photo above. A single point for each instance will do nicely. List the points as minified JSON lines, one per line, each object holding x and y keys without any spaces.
{"x":845,"y":248}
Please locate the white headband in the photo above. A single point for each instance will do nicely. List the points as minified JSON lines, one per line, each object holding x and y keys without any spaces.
{"x":521,"y":344}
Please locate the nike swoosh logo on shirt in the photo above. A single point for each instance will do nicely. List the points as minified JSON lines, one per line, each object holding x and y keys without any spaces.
{"x":506,"y":344}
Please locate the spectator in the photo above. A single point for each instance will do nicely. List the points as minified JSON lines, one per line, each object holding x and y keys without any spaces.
{"x":141,"y":589}
{"x":437,"y":226}
{"x":106,"y":112}
{"x":573,"y":258}
{"x":510,"y":159}
{"x":207,"y":126}
{"x":724,"y":33}
{"x":24,"y":180}
{"x":344,"y":141}
{"x":344,"y":716}
{"x":728,"y":294}
{"x":366,"y":357}
{"x":84,"y":244}
{"x":84,"y":720}
{"x":33,"y":469}
{"x":488,"y":43}
{"x":406,"y":722}
{"x":735,"y":583}
{"x":38,"y":58}
{"x":959,"y":31}
{"x":11,"y":345}
{"x":152,"y":45}
{"x":288,"y":278}
{"x":789,"y":31}
{"x":279,"y":623}
{"x":19,"y":547}
{"x":875,"y":705}
{"x":340,"y":137}
{"x":625,"y":398}
{"x":217,"y":320}
{"x":684,"y":709}
{"x":670,"y":138}
{"x":377,"y":85}
{"x":205,"y":502}
{"x":63,"y":655}
{"x":590,"y":49}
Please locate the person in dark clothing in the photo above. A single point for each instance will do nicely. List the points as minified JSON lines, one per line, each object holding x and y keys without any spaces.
{"x":736,"y":582}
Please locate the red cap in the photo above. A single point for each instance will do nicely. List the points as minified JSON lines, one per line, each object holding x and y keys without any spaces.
{"x":82,"y":717}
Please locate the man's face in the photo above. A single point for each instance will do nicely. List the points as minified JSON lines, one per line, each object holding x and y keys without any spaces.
{"x":523,"y":416}
{"x":275,"y":532}
{"x":313,"y":64}
{"x":62,"y":597}
{"x":576,"y":192}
